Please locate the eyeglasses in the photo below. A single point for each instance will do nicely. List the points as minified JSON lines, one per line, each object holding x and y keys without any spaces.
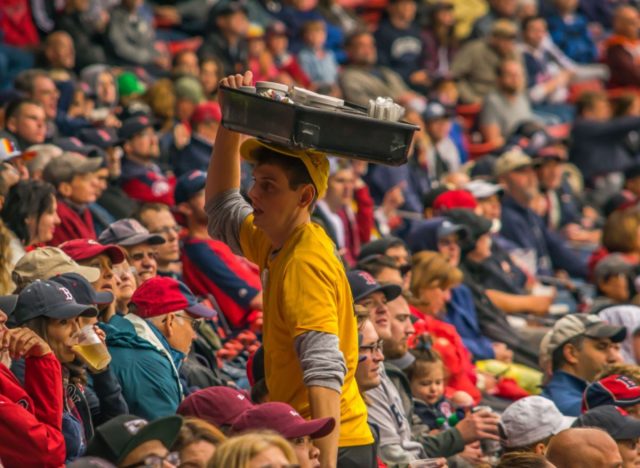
{"x":196,"y":323}
{"x":121,"y":271}
{"x":168,"y":230}
{"x":156,"y":461}
{"x":138,"y":257}
{"x":373,"y":348}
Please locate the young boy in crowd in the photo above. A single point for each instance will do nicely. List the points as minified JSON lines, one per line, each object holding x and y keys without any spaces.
{"x":319,"y":64}
{"x":74,"y":178}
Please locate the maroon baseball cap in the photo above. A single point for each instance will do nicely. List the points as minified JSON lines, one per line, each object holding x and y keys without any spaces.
{"x":616,"y":390}
{"x":84,"y":249}
{"x":454,"y":199}
{"x":283,"y":419}
{"x":218,"y":405}
{"x":162,"y":295}
{"x":206,"y":111}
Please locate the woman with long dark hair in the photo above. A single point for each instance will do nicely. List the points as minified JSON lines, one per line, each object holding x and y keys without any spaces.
{"x":30,"y":211}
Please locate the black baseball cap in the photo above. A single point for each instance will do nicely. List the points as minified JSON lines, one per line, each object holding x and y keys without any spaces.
{"x":228,"y":7}
{"x":75,"y":145}
{"x":476,"y":225}
{"x":82,"y":290}
{"x":117,"y":438}
{"x":379,"y":247}
{"x":189,"y":184}
{"x":45,"y":298}
{"x":100,"y":137}
{"x":134,"y":125}
{"x":612,"y":419}
{"x":363,"y":285}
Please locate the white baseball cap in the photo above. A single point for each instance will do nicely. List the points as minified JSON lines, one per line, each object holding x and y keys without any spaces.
{"x":482,"y":189}
{"x":530,"y":420}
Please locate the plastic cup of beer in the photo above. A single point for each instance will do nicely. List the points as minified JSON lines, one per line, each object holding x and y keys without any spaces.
{"x":90,"y":349}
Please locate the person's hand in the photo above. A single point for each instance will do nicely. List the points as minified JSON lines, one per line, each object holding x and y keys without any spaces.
{"x":420,"y":77}
{"x":393,"y":199}
{"x":181,"y":136}
{"x":101,"y":334}
{"x":503,"y":353}
{"x":473,"y":453}
{"x":112,"y":121}
{"x":168,"y":13}
{"x":434,"y":462}
{"x":256,"y":302}
{"x":477,"y":426}
{"x":237,"y":80}
{"x":23,"y":343}
{"x":539,"y":305}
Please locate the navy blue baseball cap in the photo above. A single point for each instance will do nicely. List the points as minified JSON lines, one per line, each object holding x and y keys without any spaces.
{"x":613,"y":420}
{"x":435,"y":110}
{"x":44,"y":298}
{"x":134,"y":125}
{"x":100,"y":137}
{"x":82,"y":290}
{"x":8,"y":303}
{"x":189,"y":184}
{"x":363,"y":285}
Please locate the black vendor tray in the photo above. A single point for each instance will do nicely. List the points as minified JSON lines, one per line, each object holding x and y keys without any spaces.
{"x":346,"y":132}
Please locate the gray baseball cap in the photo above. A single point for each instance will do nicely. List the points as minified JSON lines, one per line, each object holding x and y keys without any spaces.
{"x":530,"y":420}
{"x":613,"y":264}
{"x":127,"y":233}
{"x":573,"y":325}
{"x":68,"y":165}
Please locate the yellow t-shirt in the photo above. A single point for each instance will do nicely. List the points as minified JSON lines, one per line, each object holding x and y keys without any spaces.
{"x":305,"y":288}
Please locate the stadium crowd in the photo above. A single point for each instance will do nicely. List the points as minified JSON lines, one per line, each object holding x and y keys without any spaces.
{"x":176,"y":294}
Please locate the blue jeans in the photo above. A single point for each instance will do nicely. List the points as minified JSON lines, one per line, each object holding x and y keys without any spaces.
{"x":13,"y":60}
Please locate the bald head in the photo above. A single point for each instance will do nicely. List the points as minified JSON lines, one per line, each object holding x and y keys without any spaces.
{"x":584,"y":448}
{"x":59,"y":50}
{"x":626,"y":22}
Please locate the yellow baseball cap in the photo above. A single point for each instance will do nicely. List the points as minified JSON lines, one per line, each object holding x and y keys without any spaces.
{"x":316,"y":162}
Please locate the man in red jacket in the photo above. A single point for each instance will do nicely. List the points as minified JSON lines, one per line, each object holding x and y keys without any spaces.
{"x":30,"y":417}
{"x":73,"y":176}
{"x":209,"y":267}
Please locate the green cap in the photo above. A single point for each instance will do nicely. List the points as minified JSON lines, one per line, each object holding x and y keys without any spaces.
{"x":117,"y":438}
{"x":129,"y":83}
{"x":189,"y":88}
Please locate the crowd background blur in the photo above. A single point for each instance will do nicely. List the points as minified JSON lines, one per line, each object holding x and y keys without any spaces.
{"x":495,"y":277}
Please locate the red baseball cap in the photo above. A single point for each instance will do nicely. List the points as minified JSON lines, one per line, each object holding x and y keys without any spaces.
{"x":454,"y":199}
{"x":283,"y":419}
{"x":206,"y":111}
{"x":219,"y":406}
{"x":162,"y":295}
{"x":616,"y":390}
{"x":84,"y":249}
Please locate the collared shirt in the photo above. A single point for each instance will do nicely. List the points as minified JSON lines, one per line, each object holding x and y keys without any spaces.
{"x":565,"y":390}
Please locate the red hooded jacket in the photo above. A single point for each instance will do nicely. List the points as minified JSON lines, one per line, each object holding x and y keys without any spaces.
{"x":31,"y":417}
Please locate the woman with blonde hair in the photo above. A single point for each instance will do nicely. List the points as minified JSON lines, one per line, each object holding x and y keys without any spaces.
{"x":254,"y":450}
{"x":432,"y":278}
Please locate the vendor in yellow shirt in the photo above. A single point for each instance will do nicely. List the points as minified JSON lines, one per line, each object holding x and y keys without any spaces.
{"x":310,"y":335}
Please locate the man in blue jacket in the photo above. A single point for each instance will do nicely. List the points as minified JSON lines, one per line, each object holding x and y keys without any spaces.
{"x":578,"y":348}
{"x":148,"y":345}
{"x":522,"y":226}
